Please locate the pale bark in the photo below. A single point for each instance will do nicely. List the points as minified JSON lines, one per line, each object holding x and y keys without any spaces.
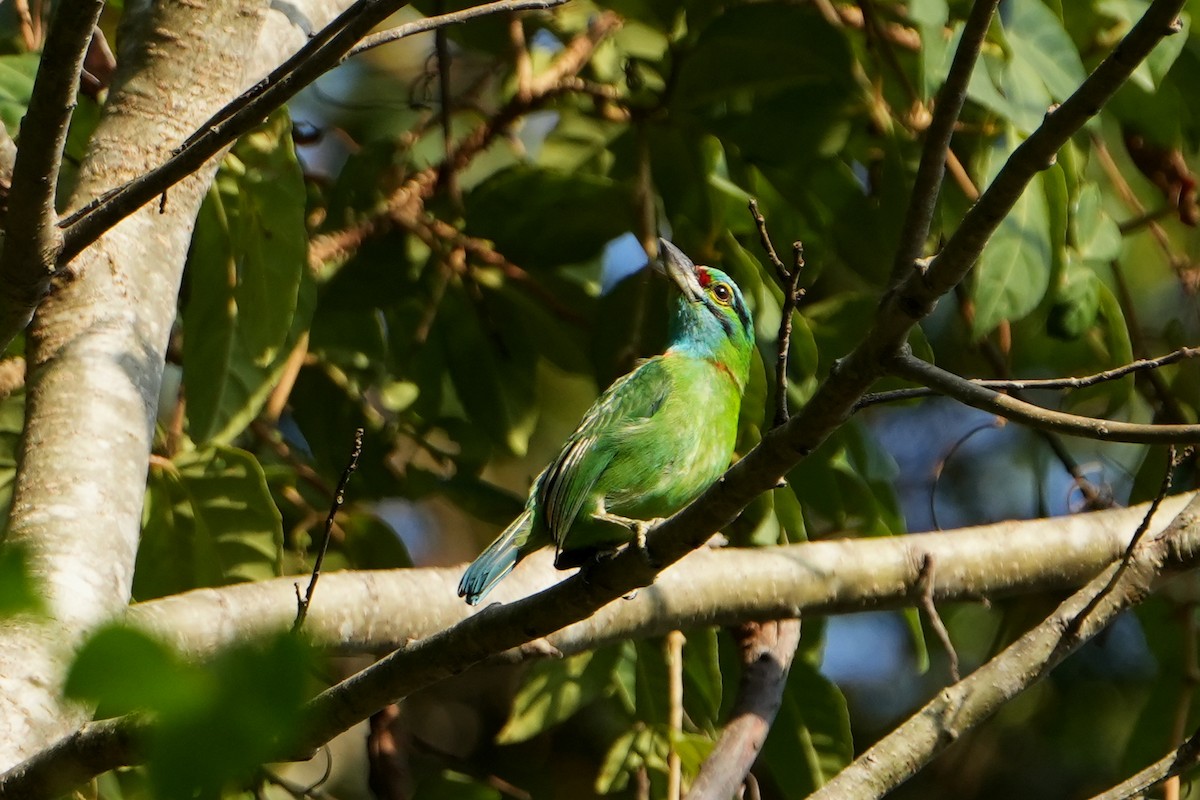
{"x":96,"y":345}
{"x":376,"y":611}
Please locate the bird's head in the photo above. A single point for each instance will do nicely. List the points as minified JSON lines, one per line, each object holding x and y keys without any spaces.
{"x":709,"y":319}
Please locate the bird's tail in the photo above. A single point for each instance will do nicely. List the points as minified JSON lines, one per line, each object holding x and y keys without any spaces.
{"x":496,"y":561}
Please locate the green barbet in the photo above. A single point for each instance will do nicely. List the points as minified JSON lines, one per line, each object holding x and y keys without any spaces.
{"x":649,"y":445}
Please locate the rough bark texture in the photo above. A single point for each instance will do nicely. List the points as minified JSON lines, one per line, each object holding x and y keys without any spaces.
{"x":97,"y":343}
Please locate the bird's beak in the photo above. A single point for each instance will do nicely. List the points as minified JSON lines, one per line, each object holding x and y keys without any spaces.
{"x":680,"y":269}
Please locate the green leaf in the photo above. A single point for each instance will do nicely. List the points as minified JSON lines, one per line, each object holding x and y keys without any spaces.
{"x":1013,"y":273}
{"x":123,"y":670}
{"x":270,"y":242}
{"x":621,"y":760}
{"x":1076,"y":303}
{"x":450,"y":785}
{"x":12,"y":423}
{"x":209,"y":519}
{"x":1096,"y":235}
{"x":492,"y":369}
{"x":251,"y":711}
{"x":563,"y":219}
{"x":370,"y":543}
{"x":16,"y":87}
{"x":810,"y":741}
{"x":1036,"y":36}
{"x":249,"y":294}
{"x":19,"y":592}
{"x":1150,"y":72}
{"x":762,"y":48}
{"x":702,"y":688}
{"x":553,"y":690}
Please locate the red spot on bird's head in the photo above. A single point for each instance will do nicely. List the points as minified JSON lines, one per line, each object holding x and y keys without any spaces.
{"x":703,"y":276}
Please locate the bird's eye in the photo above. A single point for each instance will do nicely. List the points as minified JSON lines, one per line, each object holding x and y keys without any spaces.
{"x":723,"y":293}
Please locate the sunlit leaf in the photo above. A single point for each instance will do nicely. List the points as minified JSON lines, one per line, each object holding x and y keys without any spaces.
{"x":16,"y":87}
{"x":554,"y":690}
{"x":1014,"y":271}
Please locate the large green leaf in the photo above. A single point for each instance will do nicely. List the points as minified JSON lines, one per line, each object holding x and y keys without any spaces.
{"x":249,"y":298}
{"x":215,"y":723}
{"x":542,"y":218}
{"x":492,"y":369}
{"x":810,"y":741}
{"x":1013,"y":273}
{"x":553,"y":690}
{"x":1037,"y":37}
{"x":762,"y":48}
{"x":209,"y":519}
{"x":16,"y":87}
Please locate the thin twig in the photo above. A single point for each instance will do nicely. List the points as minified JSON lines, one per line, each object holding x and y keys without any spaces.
{"x":760,"y":222}
{"x":789,"y":281}
{"x":907,"y":366}
{"x":1009,"y":385}
{"x":446,"y":178}
{"x":339,"y":498}
{"x":925,"y":585}
{"x":674,"y":645}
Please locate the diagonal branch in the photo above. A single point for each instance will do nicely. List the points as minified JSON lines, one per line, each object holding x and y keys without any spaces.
{"x":710,"y":587}
{"x":32,"y":239}
{"x":322,"y":53}
{"x":966,"y":704}
{"x":949,"y":103}
{"x":1178,"y":761}
{"x":767,"y":650}
{"x":906,"y":365}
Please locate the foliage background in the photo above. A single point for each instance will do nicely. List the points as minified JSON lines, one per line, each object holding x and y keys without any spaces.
{"x":464,"y":309}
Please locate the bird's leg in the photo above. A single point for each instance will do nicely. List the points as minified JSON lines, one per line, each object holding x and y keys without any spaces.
{"x":638,"y":527}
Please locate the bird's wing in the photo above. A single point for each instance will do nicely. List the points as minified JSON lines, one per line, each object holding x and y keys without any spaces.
{"x":569,"y":480}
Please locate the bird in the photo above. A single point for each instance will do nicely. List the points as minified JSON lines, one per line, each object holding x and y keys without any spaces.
{"x":649,"y":445}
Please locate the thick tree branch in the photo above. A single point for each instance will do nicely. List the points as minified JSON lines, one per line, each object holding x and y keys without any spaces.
{"x":767,"y":651}
{"x":949,"y":103}
{"x":323,"y":52}
{"x":966,"y":704}
{"x":914,"y":369}
{"x":32,"y":238}
{"x":370,"y":611}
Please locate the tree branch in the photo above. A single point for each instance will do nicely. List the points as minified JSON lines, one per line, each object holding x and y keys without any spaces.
{"x":767,"y":650}
{"x":32,"y":239}
{"x":1178,"y":761}
{"x":966,"y":704}
{"x":1020,"y":385}
{"x":914,"y":369}
{"x":949,"y":103}
{"x":323,"y":52}
{"x":709,"y":587}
